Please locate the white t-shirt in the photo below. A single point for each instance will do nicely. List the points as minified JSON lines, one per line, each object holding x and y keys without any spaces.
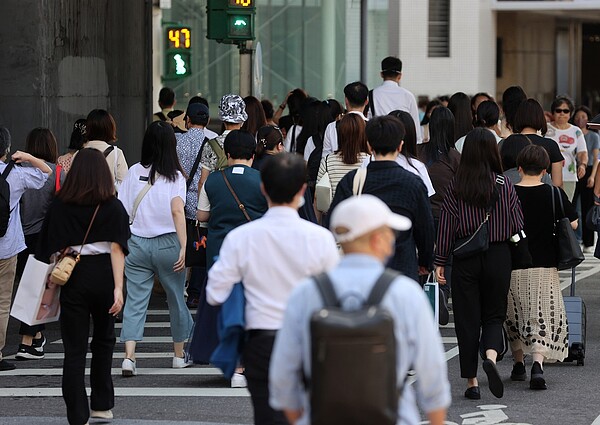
{"x":330,"y":140}
{"x":287,"y":143}
{"x":571,"y":141}
{"x":461,"y":142}
{"x":153,"y":217}
{"x":416,"y":167}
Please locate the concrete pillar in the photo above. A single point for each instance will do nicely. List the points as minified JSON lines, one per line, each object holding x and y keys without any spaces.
{"x":62,"y":59}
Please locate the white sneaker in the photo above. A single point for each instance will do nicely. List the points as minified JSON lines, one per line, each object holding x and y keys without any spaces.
{"x":128,"y":368}
{"x":180,"y":362}
{"x":238,"y":381}
{"x":101,"y":414}
{"x":588,"y":249}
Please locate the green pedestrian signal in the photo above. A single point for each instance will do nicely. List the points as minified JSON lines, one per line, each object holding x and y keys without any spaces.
{"x":230,"y":21}
{"x":178,"y":52}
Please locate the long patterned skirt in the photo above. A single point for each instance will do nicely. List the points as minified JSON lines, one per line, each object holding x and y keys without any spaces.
{"x":536,"y":321}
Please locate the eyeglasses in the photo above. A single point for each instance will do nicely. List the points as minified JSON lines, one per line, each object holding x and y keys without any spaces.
{"x":564,"y":111}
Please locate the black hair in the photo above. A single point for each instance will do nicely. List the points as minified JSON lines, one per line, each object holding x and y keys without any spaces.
{"x":78,"y":135}
{"x":335,"y":107}
{"x":89,"y":180}
{"x":487,"y":115}
{"x":409,"y":148}
{"x":480,"y":158}
{"x":267,"y":139}
{"x":295,"y":101}
{"x":391,"y":67}
{"x":511,"y":99}
{"x":41,"y":143}
{"x":460,"y":106}
{"x":559,"y":100}
{"x":583,"y":109}
{"x":356,"y":93}
{"x":533,"y":160}
{"x":159,"y":151}
{"x":5,"y":141}
{"x":428,"y":109}
{"x":441,"y":134}
{"x":530,"y":114}
{"x":198,"y":99}
{"x":239,"y":144}
{"x":100,"y":125}
{"x":474,"y":100}
{"x":283,"y":176}
{"x":511,"y":147}
{"x":267,"y":106}
{"x":384,"y":134}
{"x":316,"y":115}
{"x":256,"y":115}
{"x":201,"y":119}
{"x":166,"y":97}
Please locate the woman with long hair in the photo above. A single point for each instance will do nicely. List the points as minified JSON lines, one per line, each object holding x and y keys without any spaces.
{"x":75,"y":144}
{"x":157,"y":244}
{"x":256,"y":115}
{"x":87,"y":201}
{"x":352,"y":150}
{"x":585,"y":186}
{"x":511,"y":99}
{"x":294,"y":101}
{"x":40,"y":143}
{"x":536,"y":320}
{"x":480,"y":282}
{"x":460,"y":106}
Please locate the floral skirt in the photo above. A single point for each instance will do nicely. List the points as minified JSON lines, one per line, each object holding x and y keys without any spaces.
{"x":536,"y":321}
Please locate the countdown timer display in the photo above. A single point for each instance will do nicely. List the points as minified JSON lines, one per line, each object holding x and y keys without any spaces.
{"x":179,"y":38}
{"x":241,"y":3}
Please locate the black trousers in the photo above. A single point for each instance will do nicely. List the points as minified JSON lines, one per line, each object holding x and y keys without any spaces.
{"x":257,"y":356}
{"x":586,"y":196}
{"x":480,"y":287}
{"x":88,"y":292}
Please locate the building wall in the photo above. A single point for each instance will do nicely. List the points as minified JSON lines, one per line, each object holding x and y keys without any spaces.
{"x":60,"y":59}
{"x":471,"y":65}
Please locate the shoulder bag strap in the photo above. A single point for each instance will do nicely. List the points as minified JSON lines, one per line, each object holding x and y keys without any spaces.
{"x":138,"y":199}
{"x":358,"y":182}
{"x":326,"y":164}
{"x":240,"y":205}
{"x":107,"y":151}
{"x":57,"y":172}
{"x":381,"y":286}
{"x":88,"y":231}
{"x":560,"y":202}
{"x":196,"y":164}
{"x":8,"y":168}
{"x":326,"y":290}
{"x":371,"y":103}
{"x":293,"y":142}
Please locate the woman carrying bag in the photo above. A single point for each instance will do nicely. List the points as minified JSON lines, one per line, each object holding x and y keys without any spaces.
{"x":480,"y":213}
{"x":86,"y":203}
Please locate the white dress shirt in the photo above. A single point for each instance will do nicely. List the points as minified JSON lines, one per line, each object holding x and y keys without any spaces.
{"x":295,"y":131}
{"x":330,"y":141}
{"x":270,"y":256}
{"x":390,"y":96}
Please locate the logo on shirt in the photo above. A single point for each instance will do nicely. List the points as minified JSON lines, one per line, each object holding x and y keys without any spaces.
{"x":566,"y":140}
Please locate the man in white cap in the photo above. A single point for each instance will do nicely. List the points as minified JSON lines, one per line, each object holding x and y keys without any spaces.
{"x":364,"y":226}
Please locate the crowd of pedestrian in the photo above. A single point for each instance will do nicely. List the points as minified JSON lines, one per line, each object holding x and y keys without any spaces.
{"x":431,"y":194}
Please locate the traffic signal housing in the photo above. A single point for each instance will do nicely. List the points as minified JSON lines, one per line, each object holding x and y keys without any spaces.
{"x":230,"y":21}
{"x":178,"y":56}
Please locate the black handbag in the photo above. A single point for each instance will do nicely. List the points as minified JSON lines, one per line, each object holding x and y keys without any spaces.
{"x":195,"y":248}
{"x":569,"y":252}
{"x":479,"y":241}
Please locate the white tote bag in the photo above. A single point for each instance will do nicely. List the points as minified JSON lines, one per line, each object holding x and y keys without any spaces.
{"x":323,"y":192}
{"x":37,"y":300}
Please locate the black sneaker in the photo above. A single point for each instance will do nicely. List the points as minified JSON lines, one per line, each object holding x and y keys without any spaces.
{"x":4,"y":366}
{"x":28,"y":352}
{"x":38,"y":343}
{"x":537,"y":381}
{"x":518,"y":372}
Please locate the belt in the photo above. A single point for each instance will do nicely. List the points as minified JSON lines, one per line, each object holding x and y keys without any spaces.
{"x":253,"y":333}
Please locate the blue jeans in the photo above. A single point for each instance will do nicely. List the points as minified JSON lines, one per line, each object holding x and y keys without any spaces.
{"x":149,"y":257}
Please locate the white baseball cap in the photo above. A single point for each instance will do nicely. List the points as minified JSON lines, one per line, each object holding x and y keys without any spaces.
{"x":359,"y":215}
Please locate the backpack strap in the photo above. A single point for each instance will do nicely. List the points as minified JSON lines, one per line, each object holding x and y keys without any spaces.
{"x":381,"y":286}
{"x":7,"y":169}
{"x":326,"y":290}
{"x":371,"y":103}
{"x":108,"y":150}
{"x":196,"y":164}
{"x":217,"y":149}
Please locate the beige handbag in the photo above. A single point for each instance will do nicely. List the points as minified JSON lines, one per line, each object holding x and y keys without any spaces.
{"x":66,"y":263}
{"x":323,"y":190}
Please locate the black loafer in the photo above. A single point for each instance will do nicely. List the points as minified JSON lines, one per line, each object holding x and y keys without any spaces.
{"x":537,"y":381}
{"x":518,"y":372}
{"x":494,"y":381}
{"x":473,"y":393}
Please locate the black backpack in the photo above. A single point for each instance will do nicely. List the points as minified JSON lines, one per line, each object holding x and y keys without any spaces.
{"x":353,"y":359}
{"x":5,"y":199}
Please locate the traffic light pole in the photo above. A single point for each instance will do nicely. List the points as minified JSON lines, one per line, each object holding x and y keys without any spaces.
{"x":246,"y":50}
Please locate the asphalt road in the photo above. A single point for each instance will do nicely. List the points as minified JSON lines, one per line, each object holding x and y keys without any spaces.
{"x":199,"y":395}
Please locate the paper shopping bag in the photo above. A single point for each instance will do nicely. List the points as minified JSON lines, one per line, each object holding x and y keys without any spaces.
{"x":37,"y":299}
{"x":432,"y":291}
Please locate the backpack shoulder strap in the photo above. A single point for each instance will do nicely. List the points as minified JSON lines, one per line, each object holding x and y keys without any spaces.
{"x":371,"y":103}
{"x":108,"y":150}
{"x":381,"y":286}
{"x":194,"y":169}
{"x":326,"y":290}
{"x":8,"y":168}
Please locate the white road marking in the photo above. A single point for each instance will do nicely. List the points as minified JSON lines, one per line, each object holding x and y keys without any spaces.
{"x":116,"y":355}
{"x":147,"y":340}
{"x":133,"y":392}
{"x":200,"y":371}
{"x":596,"y":421}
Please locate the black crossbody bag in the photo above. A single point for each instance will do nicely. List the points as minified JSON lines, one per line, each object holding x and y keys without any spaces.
{"x":479,"y":241}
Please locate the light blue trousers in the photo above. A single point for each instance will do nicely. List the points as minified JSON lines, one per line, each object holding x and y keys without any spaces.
{"x":149,"y":257}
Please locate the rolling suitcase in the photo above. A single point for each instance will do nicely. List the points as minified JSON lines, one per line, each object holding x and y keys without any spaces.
{"x":576,"y":318}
